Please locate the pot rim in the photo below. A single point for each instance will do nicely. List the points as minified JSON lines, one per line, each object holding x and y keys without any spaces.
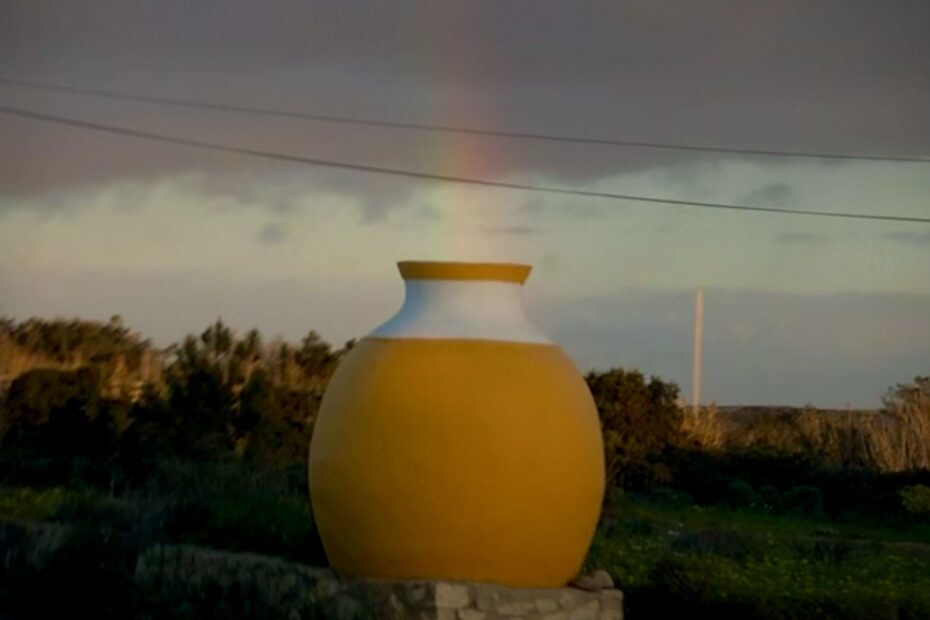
{"x":448,"y":270}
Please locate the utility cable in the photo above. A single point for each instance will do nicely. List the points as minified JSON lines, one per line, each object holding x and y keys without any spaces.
{"x":412,"y":174}
{"x":324,"y":118}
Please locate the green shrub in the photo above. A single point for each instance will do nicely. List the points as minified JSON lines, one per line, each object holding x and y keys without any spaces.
{"x":823,"y":550}
{"x":804,"y":500}
{"x":232,"y":505}
{"x":916,"y":499}
{"x":665,"y":496}
{"x":718,"y":542}
{"x":31,"y":504}
{"x":681,"y":579}
{"x":694,"y":562}
{"x":772,"y":499}
{"x":740,"y":494}
{"x":640,"y":419}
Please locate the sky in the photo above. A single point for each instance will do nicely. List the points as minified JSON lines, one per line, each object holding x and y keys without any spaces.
{"x":798,"y":310}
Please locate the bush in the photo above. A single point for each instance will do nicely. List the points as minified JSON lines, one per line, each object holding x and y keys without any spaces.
{"x":857,"y":494}
{"x":639,"y":420}
{"x":720,"y":542}
{"x":916,"y":499}
{"x":232,"y":505}
{"x":772,"y":499}
{"x":681,"y":579}
{"x":804,"y":500}
{"x":740,"y":494}
{"x":664,"y":496}
{"x":31,"y":504}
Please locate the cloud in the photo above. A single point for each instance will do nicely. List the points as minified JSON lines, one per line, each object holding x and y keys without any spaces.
{"x":183,"y":241}
{"x":773,"y":194}
{"x":637,"y":70}
{"x":271,"y":234}
{"x":910,"y":237}
{"x":285,"y":191}
{"x":800,"y":237}
{"x":760,"y":346}
{"x":512,"y":230}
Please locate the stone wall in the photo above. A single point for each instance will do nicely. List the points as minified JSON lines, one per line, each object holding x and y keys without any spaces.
{"x":292,"y":591}
{"x":29,"y":546}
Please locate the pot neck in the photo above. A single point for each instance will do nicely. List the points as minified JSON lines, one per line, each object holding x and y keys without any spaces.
{"x":461,"y":309}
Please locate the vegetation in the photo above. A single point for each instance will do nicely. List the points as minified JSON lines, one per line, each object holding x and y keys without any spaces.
{"x":640,"y":420}
{"x":916,"y":499}
{"x":212,"y":396}
{"x":789,"y":515}
{"x":671,"y":557}
{"x":894,"y":438}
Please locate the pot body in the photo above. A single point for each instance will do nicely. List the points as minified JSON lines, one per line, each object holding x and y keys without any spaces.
{"x":456,"y":442}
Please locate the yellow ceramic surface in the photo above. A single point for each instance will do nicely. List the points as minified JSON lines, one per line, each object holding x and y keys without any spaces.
{"x":443,"y":450}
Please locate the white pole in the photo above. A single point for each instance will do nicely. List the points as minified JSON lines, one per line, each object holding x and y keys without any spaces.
{"x":698,"y":342}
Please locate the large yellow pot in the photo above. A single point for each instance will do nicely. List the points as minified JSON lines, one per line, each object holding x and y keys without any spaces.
{"x":457,"y":442}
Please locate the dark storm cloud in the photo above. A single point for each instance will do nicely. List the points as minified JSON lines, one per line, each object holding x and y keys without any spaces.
{"x":836,"y":75}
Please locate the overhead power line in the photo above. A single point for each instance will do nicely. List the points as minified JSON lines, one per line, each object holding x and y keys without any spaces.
{"x":412,"y":174}
{"x":325,"y":118}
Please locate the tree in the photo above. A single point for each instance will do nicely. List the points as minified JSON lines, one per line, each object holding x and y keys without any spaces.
{"x":60,"y":412}
{"x":639,"y":420}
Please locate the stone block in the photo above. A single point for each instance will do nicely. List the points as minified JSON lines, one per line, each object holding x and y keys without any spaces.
{"x":588,"y":611}
{"x":451,"y":595}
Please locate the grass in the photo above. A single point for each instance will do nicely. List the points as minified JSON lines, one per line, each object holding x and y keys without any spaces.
{"x":226,"y":506}
{"x":715,"y":562}
{"x":669,"y":556}
{"x":681,"y":515}
{"x":29,"y":504}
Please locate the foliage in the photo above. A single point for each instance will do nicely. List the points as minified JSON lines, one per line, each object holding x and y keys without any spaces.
{"x":70,"y":342}
{"x":916,"y":499}
{"x":205,"y":442}
{"x":913,"y":396}
{"x":804,"y":500}
{"x":782,"y":483}
{"x":694,"y":562}
{"x":27,"y":503}
{"x":639,"y":420}
{"x":216,"y":394}
{"x":893,"y":439}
